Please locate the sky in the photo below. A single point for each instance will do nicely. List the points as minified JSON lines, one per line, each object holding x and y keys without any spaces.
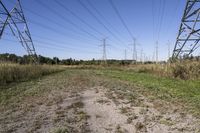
{"x":76,"y":28}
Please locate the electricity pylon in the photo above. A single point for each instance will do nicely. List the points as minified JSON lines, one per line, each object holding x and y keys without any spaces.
{"x":189,"y":32}
{"x":104,"y":57}
{"x":125,"y":55}
{"x":157,"y":52}
{"x":134,"y":56}
{"x":16,"y":22}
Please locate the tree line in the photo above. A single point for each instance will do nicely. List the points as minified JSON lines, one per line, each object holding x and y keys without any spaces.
{"x":26,"y":59}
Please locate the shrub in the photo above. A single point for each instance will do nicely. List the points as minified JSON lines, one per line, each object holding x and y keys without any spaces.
{"x":180,"y":71}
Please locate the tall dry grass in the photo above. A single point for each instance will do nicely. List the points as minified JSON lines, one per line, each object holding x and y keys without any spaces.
{"x":15,"y":72}
{"x":183,"y":70}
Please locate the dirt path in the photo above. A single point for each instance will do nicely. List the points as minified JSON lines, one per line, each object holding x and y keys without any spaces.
{"x":81,"y":103}
{"x":104,"y":114}
{"x":108,"y":116}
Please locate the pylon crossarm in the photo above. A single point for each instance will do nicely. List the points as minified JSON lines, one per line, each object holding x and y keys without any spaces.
{"x":19,"y":28}
{"x":188,"y":38}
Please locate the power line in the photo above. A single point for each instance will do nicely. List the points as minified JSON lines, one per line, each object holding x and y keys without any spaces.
{"x":62,"y":42}
{"x":173,"y":17}
{"x":83,"y":21}
{"x":120,"y":17}
{"x":125,"y":54}
{"x":55,"y":42}
{"x":98,"y":20}
{"x":153,"y":14}
{"x":52,"y":29}
{"x":57,"y":46}
{"x":49,"y":27}
{"x":102,"y":16}
{"x":65,"y":19}
{"x":49,"y":20}
{"x":157,"y":52}
{"x":161,"y":21}
{"x":134,"y":50}
{"x":79,"y":18}
{"x":71,"y":13}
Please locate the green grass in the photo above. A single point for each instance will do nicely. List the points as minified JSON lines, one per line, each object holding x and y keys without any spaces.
{"x":36,"y":88}
{"x":183,"y":92}
{"x":173,"y":90}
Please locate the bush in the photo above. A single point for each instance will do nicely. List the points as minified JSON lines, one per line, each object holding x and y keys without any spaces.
{"x":180,"y":71}
{"x":186,"y":70}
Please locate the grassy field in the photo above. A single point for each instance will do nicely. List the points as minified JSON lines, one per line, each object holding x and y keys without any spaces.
{"x":182,"y":92}
{"x":60,"y":100}
{"x":14,"y":72}
{"x":165,"y":88}
{"x":182,"y":70}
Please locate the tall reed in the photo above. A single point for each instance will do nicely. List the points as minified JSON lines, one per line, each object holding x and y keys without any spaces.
{"x":15,"y":72}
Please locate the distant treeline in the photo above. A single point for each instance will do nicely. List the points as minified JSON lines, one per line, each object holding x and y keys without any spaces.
{"x":55,"y":60}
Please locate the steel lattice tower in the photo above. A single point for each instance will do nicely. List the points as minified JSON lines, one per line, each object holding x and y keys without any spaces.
{"x":104,"y":51}
{"x":16,"y":22}
{"x":189,"y":32}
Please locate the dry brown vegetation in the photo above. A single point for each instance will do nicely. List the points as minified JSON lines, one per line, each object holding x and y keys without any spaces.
{"x":15,"y":72}
{"x":183,"y":70}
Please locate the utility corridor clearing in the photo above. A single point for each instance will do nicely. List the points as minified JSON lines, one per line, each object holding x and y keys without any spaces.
{"x":84,"y":101}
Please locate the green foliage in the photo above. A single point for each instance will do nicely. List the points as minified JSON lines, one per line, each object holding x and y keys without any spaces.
{"x":46,"y":60}
{"x":184,"y":91}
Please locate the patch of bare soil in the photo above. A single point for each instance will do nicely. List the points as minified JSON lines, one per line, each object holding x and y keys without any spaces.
{"x":105,"y":117}
{"x":112,"y":111}
{"x":59,"y":112}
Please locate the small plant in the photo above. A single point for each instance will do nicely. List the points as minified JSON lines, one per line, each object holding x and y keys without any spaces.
{"x":61,"y":130}
{"x":124,"y":110}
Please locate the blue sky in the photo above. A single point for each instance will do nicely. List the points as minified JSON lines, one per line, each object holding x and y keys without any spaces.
{"x":53,"y":34}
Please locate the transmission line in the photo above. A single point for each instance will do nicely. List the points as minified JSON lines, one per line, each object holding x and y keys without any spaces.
{"x":44,"y":42}
{"x":55,"y":41}
{"x":83,"y":21}
{"x":102,"y":16}
{"x":161,"y":21}
{"x":49,"y":20}
{"x":121,"y":19}
{"x":153,"y":14}
{"x":47,"y":27}
{"x":57,"y":46}
{"x":98,"y":20}
{"x":79,"y":18}
{"x":65,"y":19}
{"x":50,"y":29}
{"x":173,"y":17}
